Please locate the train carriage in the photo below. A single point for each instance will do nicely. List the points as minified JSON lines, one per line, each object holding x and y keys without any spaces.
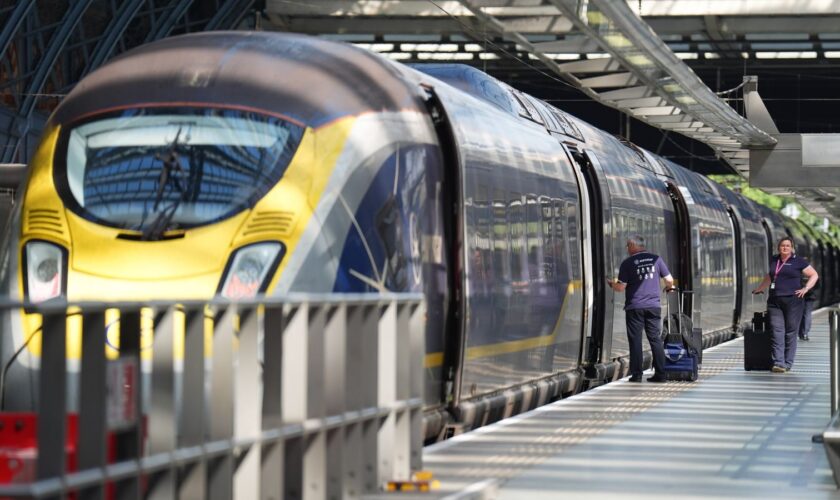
{"x":751,"y":249}
{"x":178,"y":171}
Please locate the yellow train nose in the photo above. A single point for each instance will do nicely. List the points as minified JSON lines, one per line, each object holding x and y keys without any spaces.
{"x":104,"y":251}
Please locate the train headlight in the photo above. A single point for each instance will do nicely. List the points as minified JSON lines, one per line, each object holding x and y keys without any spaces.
{"x":250,"y":269}
{"x":46,"y":268}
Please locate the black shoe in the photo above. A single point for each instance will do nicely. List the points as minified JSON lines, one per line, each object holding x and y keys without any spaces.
{"x":657,"y":378}
{"x":805,"y":338}
{"x":635,"y":379}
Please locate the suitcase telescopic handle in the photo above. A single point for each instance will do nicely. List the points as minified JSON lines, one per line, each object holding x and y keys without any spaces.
{"x":678,"y":292}
{"x":691,"y":315}
{"x":669,"y":291}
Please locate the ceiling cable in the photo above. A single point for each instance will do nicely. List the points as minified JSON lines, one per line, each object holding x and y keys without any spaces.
{"x":488,"y":41}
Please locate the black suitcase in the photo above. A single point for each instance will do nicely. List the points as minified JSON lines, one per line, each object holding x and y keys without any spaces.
{"x":758,"y":355}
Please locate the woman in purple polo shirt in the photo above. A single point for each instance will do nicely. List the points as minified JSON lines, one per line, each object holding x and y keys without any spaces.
{"x":785,"y":302}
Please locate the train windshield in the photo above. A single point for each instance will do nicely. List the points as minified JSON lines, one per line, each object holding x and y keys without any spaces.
{"x":155,"y":170}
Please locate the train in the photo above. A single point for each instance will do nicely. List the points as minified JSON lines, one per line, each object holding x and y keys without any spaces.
{"x":248,"y":164}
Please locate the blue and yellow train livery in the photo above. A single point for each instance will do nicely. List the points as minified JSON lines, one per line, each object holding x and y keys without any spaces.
{"x":238,"y":164}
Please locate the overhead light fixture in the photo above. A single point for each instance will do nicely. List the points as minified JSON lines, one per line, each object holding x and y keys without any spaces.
{"x":640,"y":60}
{"x":618,"y":41}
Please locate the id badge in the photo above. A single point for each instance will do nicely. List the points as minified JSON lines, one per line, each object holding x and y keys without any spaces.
{"x":772,"y":286}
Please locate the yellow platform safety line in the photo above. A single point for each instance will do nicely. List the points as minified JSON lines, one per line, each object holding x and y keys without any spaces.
{"x":435,"y":359}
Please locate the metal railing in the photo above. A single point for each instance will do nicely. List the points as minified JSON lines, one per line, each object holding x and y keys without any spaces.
{"x":831,"y":435}
{"x":330,"y":405}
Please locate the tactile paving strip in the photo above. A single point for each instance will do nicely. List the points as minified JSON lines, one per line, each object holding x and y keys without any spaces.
{"x":730,"y":434}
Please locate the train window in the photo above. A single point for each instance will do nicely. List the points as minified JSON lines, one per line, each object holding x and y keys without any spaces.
{"x":534,"y":106}
{"x":528,"y":110}
{"x":516,"y":221}
{"x":535,"y":237}
{"x":155,"y":169}
{"x":548,"y":237}
{"x":520,"y":106}
{"x":566,"y":125}
{"x":501,"y":261}
{"x":551,"y":123}
{"x":638,"y":156}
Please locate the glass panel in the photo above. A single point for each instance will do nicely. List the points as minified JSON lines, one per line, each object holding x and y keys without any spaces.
{"x":153,"y":170}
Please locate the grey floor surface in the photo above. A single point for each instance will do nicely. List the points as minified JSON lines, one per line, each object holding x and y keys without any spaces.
{"x":732,"y":434}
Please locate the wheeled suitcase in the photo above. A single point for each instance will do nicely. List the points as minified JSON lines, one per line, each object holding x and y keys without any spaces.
{"x":758,"y":354}
{"x":680,"y":362}
{"x":681,"y":350}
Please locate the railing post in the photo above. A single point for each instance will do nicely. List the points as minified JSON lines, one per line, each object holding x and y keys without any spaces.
{"x":247,"y":405}
{"x":192,"y":424}
{"x":129,"y":441}
{"x":834,"y":349}
{"x":335,"y":398}
{"x":92,"y":399}
{"x":52,"y":396}
{"x":366,"y":341}
{"x":272,"y":480}
{"x":303,"y":399}
{"x":355,"y":399}
{"x":334,"y":411}
{"x":401,"y":451}
{"x":417,"y":332}
{"x":220,"y":480}
{"x":162,"y":428}
{"x":387,"y":395}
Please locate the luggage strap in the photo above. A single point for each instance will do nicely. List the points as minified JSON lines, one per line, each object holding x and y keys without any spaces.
{"x":680,"y":356}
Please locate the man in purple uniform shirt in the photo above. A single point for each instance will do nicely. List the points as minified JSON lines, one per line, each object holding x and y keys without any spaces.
{"x":639,"y":275}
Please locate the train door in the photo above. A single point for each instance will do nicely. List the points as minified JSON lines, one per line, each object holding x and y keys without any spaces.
{"x":739,"y":260}
{"x":683,"y":267}
{"x":769,"y":234}
{"x":596,"y":218}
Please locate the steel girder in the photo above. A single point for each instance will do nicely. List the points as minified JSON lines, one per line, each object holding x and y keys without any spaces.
{"x":12,"y":25}
{"x":46,"y":46}
{"x":227,"y":9}
{"x":175,"y":12}
{"x":20,"y":125}
{"x":115,"y":30}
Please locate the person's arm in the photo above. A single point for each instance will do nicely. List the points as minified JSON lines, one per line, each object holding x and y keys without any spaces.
{"x":616,"y":285}
{"x":812,"y":275}
{"x":620,"y":283}
{"x":763,"y":285}
{"x":665,"y":274}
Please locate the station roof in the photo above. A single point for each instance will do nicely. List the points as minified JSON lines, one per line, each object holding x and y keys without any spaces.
{"x":792,"y":46}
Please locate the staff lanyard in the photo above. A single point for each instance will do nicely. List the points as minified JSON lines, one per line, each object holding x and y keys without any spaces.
{"x":779,"y":264}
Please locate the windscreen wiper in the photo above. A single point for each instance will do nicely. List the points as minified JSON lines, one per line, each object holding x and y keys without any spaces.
{"x":170,"y":166}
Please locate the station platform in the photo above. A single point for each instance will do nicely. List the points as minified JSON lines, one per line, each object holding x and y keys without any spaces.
{"x":731,"y":434}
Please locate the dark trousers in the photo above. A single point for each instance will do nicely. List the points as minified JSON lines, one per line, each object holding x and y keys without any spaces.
{"x":649,"y":319}
{"x":785,"y":316}
{"x":805,"y":325}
